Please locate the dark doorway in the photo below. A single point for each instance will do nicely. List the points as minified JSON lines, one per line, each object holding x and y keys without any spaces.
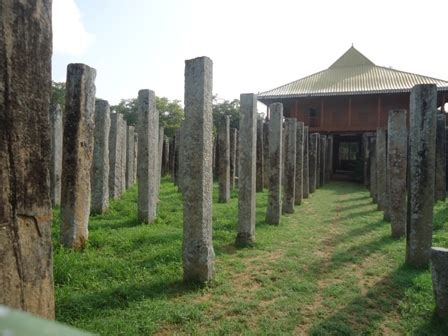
{"x":347,"y":161}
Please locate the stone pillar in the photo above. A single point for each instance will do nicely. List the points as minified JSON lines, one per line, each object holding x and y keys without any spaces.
{"x":439,"y":270}
{"x":26,"y":260}
{"x":56,"y":154}
{"x":247,"y":179}
{"x":77,"y":155}
{"x":319,"y":144}
{"x":135,"y":155}
{"x":313,"y":147}
{"x":422,"y":143}
{"x":299,"y":164}
{"x":198,"y":254}
{"x":224,"y":161}
{"x":373,"y":172}
{"x":233,"y":145}
{"x":274,"y":208}
{"x":176,"y":157}
{"x":266,"y":154}
{"x":306,"y":163}
{"x":165,"y":156}
{"x":290,"y":165}
{"x":323,"y":164}
{"x":130,"y":156}
{"x":381,"y":166}
{"x":260,"y":161}
{"x":124,"y":131}
{"x":159,"y":159}
{"x":365,"y":159}
{"x":148,"y":141}
{"x":397,"y":164}
{"x":99,"y":178}
{"x":329,"y":158}
{"x":440,"y":182}
{"x":115,"y":155}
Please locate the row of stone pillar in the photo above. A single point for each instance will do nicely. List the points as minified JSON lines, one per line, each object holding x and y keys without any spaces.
{"x":407,"y":175}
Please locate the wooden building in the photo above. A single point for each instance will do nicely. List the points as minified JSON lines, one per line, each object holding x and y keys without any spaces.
{"x":353,"y":96}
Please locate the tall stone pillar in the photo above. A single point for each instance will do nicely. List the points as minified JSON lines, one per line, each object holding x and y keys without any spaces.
{"x":124,"y":131}
{"x":77,"y":155}
{"x":198,"y":254}
{"x":224,"y":161}
{"x":115,"y":155}
{"x":313,"y":154}
{"x":135,"y":155}
{"x":365,"y":159}
{"x":247,"y":178}
{"x":422,"y":143}
{"x":165,"y":156}
{"x":439,"y":270}
{"x":329,"y":158}
{"x":381,"y":166}
{"x":323,"y":159}
{"x":260,"y":161}
{"x":266,"y":154}
{"x":99,"y":178}
{"x":373,"y":172}
{"x":130,"y":156}
{"x":290,"y":165}
{"x":56,"y":154}
{"x":26,"y":260}
{"x":159,"y":159}
{"x":319,"y":145}
{"x":233,"y":145}
{"x":148,"y":142}
{"x":440,"y":182}
{"x":397,"y":165}
{"x":306,"y":164}
{"x":299,"y":164}
{"x":176,"y":156}
{"x":274,"y":209}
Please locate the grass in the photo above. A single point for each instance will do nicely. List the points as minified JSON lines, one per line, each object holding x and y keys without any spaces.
{"x":329,"y":269}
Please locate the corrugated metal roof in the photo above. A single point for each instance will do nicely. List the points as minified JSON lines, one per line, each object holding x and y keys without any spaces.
{"x":352,"y":73}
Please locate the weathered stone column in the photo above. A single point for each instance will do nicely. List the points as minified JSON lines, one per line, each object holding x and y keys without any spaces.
{"x":135,"y":154}
{"x":130,"y":147}
{"x":260,"y":161}
{"x":439,"y":270}
{"x":233,"y":145}
{"x":198,"y":254}
{"x":224,"y":161}
{"x":26,"y":270}
{"x":290,"y":165}
{"x":176,"y":157}
{"x":159,"y":159}
{"x":440,"y":182}
{"x":306,"y":163}
{"x":148,"y":141}
{"x":329,"y":158}
{"x":266,"y":154}
{"x":124,"y":131}
{"x":313,"y":147}
{"x":422,"y":143}
{"x":56,"y":154}
{"x":77,"y":155}
{"x":115,"y":155}
{"x":299,"y":164}
{"x":274,"y":209}
{"x":365,"y":159}
{"x":373,"y":172}
{"x":247,"y":179}
{"x":99,"y":178}
{"x":397,"y":141}
{"x":319,"y":145}
{"x":323,"y":163}
{"x":381,"y":166}
{"x":165,"y":156}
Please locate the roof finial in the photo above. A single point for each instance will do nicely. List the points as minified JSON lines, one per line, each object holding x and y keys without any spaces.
{"x":352,"y":44}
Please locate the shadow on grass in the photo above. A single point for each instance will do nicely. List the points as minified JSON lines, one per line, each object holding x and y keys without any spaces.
{"x":114,"y":223}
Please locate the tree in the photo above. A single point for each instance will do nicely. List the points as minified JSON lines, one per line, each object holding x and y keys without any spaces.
{"x":224,"y":108}
{"x":58,"y":94}
{"x":127,"y":107}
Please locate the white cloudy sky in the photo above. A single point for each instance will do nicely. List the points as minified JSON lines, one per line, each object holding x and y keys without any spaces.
{"x":255,"y":45}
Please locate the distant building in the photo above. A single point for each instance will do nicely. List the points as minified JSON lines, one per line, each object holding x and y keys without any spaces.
{"x":353,"y":96}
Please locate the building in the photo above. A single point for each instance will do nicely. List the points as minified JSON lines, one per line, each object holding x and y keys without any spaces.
{"x":353,"y":96}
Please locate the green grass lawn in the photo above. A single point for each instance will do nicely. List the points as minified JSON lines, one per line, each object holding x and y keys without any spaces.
{"x":329,"y":269}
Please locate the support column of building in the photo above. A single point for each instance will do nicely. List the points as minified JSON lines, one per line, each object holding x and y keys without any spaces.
{"x":274,"y":207}
{"x":56,"y":154}
{"x":247,"y":178}
{"x":224,"y":161}
{"x":313,"y":154}
{"x":99,"y":178}
{"x":290,"y":165}
{"x":397,"y":164}
{"x":422,"y":143}
{"x":198,"y":253}
{"x":260,"y":162}
{"x":440,"y":178}
{"x":306,"y":161}
{"x":148,"y":137}
{"x":299,"y":164}
{"x":233,"y":145}
{"x":130,"y":156}
{"x":77,"y":156}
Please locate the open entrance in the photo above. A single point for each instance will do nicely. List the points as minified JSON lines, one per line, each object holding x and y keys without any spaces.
{"x":347,"y":161}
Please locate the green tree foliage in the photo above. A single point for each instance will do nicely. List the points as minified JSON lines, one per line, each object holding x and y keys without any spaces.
{"x":58,"y":94}
{"x":223,"y":108}
{"x":127,"y":107}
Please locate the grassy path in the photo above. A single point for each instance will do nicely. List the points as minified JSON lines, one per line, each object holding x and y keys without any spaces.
{"x":329,"y":269}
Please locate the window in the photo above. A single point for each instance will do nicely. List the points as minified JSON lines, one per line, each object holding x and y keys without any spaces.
{"x":348,"y":151}
{"x":313,"y":117}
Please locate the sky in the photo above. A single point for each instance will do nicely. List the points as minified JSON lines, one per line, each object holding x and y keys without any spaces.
{"x":255,"y":45}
